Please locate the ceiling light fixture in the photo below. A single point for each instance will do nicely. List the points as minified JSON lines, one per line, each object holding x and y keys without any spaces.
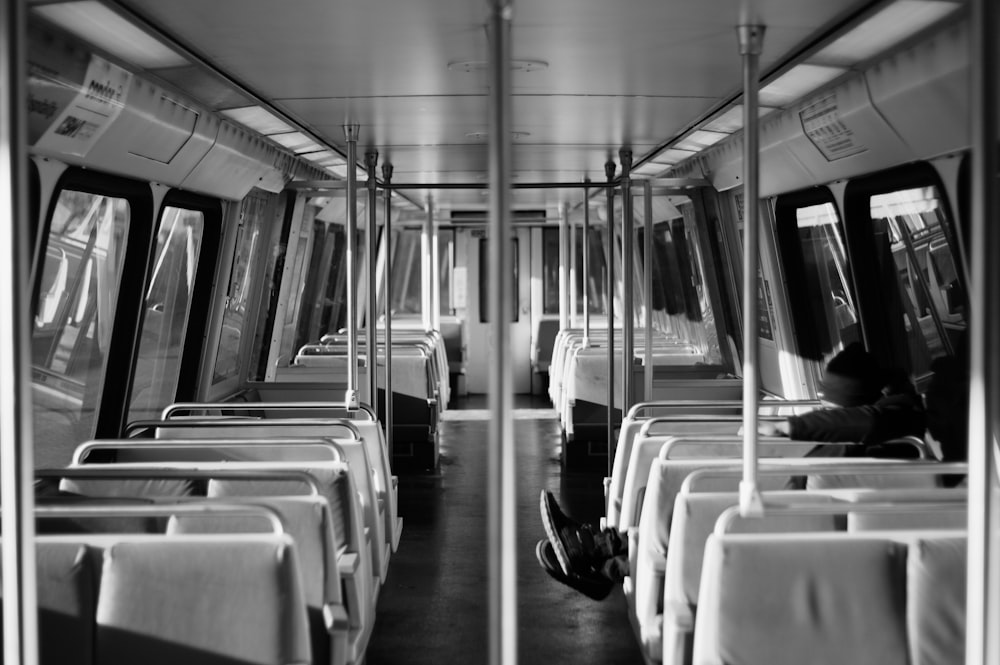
{"x":482,"y":65}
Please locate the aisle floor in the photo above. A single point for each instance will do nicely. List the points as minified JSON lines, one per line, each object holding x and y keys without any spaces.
{"x":433,"y":606}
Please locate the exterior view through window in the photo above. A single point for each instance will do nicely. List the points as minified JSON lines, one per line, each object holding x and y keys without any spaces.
{"x":165,"y":313}
{"x":81,"y":272}
{"x":908,"y":223}
{"x":834,"y":311}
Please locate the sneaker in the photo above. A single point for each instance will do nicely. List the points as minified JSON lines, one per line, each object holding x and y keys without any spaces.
{"x":592,"y":586}
{"x":579,"y":548}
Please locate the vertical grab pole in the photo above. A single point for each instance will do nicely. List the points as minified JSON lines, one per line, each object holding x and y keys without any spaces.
{"x":609,"y":172}
{"x":983,"y":577}
{"x":351,"y":398}
{"x":573,"y":296}
{"x":502,"y":487}
{"x":563,"y":267}
{"x":628,"y":300}
{"x":371,"y":159}
{"x":647,"y":280}
{"x":20,"y":603}
{"x":586,"y":266}
{"x":435,"y":277}
{"x":426,"y":301}
{"x":387,"y":239}
{"x":751,"y":42}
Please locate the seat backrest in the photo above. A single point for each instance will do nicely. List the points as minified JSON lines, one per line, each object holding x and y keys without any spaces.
{"x":685,"y":447}
{"x":308,"y":521}
{"x":935,"y":590}
{"x":694,"y":519}
{"x":820,"y":598}
{"x":202,"y":599}
{"x":67,"y":575}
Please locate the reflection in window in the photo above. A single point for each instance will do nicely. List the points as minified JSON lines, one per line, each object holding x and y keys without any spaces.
{"x":74,"y":318}
{"x":701,"y":326}
{"x":550,"y":270}
{"x":241,"y":280}
{"x":446,"y":262}
{"x":908,"y":225}
{"x":592,"y":286}
{"x":166,"y":309}
{"x":834,"y":312}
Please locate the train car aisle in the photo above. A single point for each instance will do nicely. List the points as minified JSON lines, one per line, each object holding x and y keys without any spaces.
{"x":433,"y":606}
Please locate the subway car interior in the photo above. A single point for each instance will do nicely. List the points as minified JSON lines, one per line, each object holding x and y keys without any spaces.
{"x":343,"y":332}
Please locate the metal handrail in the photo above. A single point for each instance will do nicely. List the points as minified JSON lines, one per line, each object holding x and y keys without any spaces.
{"x":258,"y":406}
{"x":696,"y":418}
{"x":833,"y":467}
{"x":730,"y":515}
{"x":167,"y":510}
{"x":212,"y":423}
{"x":85,"y":448}
{"x":205,"y":471}
{"x":708,"y":403}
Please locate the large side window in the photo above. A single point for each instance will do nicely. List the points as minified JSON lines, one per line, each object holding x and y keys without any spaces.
{"x":550,"y":270}
{"x":899,"y":228}
{"x":248,"y":255}
{"x":167,"y":308}
{"x":814,"y":255}
{"x":446,"y":264}
{"x":81,"y":272}
{"x":406,"y":267}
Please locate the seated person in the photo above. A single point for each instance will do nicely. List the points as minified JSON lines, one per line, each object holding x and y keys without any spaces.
{"x":870,"y":407}
{"x":865,"y":405}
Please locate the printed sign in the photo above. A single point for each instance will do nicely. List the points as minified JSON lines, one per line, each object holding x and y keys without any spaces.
{"x":99,"y":99}
{"x":822,"y":124}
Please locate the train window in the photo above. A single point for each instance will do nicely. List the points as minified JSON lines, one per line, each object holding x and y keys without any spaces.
{"x":245,"y":257}
{"x":591,"y":286}
{"x":80,"y":277}
{"x":901,"y":238}
{"x":815,"y":258}
{"x":166,"y":311}
{"x":446,"y":262}
{"x":406,"y":272}
{"x":484,"y":281}
{"x":700,"y":312}
{"x":550,"y":270}
{"x":909,"y":223}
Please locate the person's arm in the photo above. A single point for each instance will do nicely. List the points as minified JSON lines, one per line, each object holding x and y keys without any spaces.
{"x":841,"y":425}
{"x":772,"y":428}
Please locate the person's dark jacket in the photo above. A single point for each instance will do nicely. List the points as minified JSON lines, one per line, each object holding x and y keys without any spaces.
{"x":893,"y":416}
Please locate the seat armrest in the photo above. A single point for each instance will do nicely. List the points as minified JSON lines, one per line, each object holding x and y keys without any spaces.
{"x":632,"y":533}
{"x":347,"y":564}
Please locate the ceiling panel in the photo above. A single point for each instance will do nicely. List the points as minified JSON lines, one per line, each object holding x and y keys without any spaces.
{"x":631,"y":73}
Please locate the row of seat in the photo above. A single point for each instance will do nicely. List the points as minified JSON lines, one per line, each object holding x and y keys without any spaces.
{"x":578,"y":384}
{"x":677,"y":474}
{"x":325,"y":481}
{"x":421,"y":384}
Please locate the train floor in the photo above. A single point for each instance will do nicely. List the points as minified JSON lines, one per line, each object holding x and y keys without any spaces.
{"x":433,"y":605}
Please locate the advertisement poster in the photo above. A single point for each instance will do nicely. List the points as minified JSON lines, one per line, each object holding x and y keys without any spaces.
{"x":822,"y":124}
{"x":79,"y":121}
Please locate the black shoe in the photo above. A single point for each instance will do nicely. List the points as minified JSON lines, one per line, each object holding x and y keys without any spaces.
{"x":592,"y":586}
{"x":559,"y":527}
{"x":579,"y":548}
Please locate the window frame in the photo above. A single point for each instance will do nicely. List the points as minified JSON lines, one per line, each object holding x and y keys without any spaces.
{"x":113,"y":392}
{"x":872,"y":303}
{"x":793,"y":264}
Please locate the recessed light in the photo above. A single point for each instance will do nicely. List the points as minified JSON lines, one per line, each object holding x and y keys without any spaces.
{"x":483,"y":65}
{"x":484,"y":134}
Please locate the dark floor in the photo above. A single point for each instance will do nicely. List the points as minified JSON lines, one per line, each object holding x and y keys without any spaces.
{"x":433,"y":605}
